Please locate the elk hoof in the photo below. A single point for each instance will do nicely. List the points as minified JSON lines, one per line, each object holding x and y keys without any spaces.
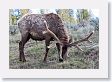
{"x":44,"y":61}
{"x":60,"y":60}
{"x":23,"y":60}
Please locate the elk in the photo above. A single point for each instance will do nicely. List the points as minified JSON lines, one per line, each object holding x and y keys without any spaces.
{"x":48,"y":27}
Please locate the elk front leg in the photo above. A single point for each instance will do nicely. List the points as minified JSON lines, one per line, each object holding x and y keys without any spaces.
{"x":65,"y":52}
{"x":47,"y":42}
{"x":59,"y":47}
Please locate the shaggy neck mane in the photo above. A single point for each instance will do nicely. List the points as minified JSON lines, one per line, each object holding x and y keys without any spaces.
{"x":55,"y":22}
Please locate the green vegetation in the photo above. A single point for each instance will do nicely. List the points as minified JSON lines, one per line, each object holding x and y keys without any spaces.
{"x":34,"y":53}
{"x":79,"y":27}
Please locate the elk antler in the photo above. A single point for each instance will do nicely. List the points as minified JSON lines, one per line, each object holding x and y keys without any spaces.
{"x":82,"y":40}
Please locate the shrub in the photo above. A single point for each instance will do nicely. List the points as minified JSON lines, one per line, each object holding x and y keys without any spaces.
{"x":13,"y":29}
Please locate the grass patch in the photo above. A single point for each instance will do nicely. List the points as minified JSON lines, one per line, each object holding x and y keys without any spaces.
{"x":34,"y":53}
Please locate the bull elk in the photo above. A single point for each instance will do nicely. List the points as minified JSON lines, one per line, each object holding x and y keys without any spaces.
{"x":48,"y":27}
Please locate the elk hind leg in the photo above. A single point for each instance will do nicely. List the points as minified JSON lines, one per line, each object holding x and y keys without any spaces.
{"x":24,"y":38}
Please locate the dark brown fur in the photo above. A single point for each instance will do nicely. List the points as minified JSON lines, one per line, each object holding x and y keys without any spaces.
{"x":32,"y":26}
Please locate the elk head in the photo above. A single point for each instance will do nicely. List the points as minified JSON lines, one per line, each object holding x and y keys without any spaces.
{"x":64,"y":43}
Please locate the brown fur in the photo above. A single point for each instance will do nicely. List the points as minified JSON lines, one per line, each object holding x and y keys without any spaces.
{"x":34,"y":26}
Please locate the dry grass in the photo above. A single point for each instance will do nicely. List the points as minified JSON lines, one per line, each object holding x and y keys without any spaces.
{"x":34,"y":53}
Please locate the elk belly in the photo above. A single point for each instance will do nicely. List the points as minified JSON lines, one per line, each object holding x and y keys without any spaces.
{"x":36,"y":36}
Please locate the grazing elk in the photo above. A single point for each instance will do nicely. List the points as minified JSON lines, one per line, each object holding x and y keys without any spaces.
{"x":46,"y":27}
